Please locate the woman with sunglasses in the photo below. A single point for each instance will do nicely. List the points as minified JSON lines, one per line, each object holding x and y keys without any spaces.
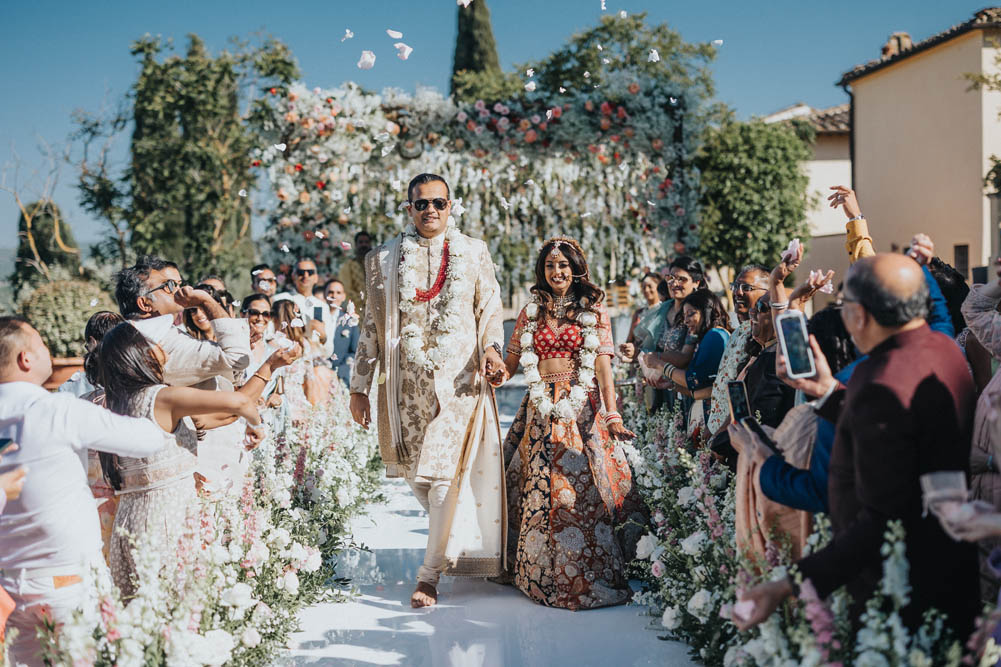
{"x":301,"y":388}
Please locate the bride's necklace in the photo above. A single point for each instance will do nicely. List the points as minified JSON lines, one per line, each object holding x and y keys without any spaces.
{"x":560,"y":304}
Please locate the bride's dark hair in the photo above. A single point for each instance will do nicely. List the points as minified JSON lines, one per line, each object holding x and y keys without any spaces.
{"x":127,"y":366}
{"x":586,"y":294}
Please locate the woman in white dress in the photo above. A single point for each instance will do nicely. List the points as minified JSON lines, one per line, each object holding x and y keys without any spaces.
{"x":156,"y":491}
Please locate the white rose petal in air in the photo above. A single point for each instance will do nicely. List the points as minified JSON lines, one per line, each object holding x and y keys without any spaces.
{"x":605,"y":60}
{"x":93,"y":302}
{"x":600,"y":47}
{"x":402,"y":50}
{"x":530,"y":86}
{"x":345,"y":245}
{"x":622,"y":14}
{"x":297,"y":323}
{"x":530,"y":72}
{"x":386,"y":150}
{"x":654,"y":56}
{"x":505,"y":204}
{"x":242,"y":193}
{"x":562,"y":89}
{"x":587,"y":75}
{"x":463,"y":3}
{"x":280,"y":147}
{"x":347,"y":34}
{"x":603,"y":7}
{"x":457,"y":207}
{"x":284,"y":248}
{"x":367,"y":60}
{"x":395,"y":34}
{"x":717,"y":42}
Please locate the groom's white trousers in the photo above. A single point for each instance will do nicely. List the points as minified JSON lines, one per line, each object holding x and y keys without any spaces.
{"x":432,"y":494}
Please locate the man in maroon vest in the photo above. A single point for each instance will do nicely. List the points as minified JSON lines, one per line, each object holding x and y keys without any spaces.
{"x":907,"y":410}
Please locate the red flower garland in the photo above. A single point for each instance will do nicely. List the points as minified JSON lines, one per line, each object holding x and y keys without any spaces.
{"x":439,"y":282}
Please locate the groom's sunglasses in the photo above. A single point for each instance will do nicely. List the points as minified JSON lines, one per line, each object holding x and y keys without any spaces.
{"x":422,"y":204}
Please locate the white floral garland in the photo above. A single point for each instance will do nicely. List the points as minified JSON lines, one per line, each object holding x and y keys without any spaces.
{"x":568,"y":407}
{"x":412,"y":336}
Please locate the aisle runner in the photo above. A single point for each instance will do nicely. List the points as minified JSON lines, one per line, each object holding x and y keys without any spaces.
{"x":476,"y":623}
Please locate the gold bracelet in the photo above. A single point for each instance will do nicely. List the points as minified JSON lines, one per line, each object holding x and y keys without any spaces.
{"x":263,"y":379}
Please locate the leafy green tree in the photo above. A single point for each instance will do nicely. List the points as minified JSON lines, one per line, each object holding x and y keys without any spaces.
{"x":185,"y":191}
{"x":45,"y":242}
{"x":476,"y":70}
{"x":754,"y":191}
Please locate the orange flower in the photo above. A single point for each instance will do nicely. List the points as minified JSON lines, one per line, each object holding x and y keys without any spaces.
{"x":282,"y":195}
{"x":657,"y":144}
{"x":459,"y":144}
{"x":303,"y":197}
{"x":291,"y":117}
{"x":629,"y":132}
{"x":605,"y":122}
{"x":557,"y":112}
{"x":543,"y":126}
{"x":292,"y":97}
{"x":392,"y":128}
{"x":589,"y":105}
{"x":634,"y":87}
{"x":524,"y":124}
{"x":531,"y":136}
{"x":603,"y":159}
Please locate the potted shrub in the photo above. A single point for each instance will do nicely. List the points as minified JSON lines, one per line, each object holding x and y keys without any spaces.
{"x":59,"y":311}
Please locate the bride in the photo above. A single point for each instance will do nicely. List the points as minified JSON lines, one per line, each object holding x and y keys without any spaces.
{"x":568,"y":483}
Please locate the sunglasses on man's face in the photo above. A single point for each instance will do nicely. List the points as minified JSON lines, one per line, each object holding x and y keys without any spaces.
{"x":169,"y":287}
{"x":744,"y":288}
{"x":251,"y":312}
{"x":305,"y":272}
{"x":422,"y":204}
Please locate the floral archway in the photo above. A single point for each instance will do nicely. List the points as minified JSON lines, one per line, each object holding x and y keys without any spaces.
{"x":609,"y":166}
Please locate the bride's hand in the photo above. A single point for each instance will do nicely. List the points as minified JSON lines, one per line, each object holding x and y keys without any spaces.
{"x":619,"y":432}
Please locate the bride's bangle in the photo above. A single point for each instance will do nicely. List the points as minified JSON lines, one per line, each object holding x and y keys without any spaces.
{"x":612,"y":417}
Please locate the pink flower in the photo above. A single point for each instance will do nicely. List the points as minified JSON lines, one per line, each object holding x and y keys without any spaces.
{"x":480,"y":105}
{"x":461,"y":116}
{"x":657,"y":569}
{"x":536,"y":119}
{"x":498,"y":107}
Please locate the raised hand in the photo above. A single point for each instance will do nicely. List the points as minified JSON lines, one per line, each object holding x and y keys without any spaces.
{"x":845,"y":196}
{"x":809,"y":287}
{"x":922,"y":249}
{"x":189,"y":297}
{"x":765,"y":599}
{"x":12,"y":482}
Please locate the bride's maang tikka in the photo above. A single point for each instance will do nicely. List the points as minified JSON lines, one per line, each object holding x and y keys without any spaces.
{"x":557,"y":242}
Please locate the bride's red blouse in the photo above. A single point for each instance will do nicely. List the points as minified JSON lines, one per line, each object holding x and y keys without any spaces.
{"x":563,"y":342}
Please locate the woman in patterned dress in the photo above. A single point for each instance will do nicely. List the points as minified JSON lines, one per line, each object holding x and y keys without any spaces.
{"x":155,"y":491}
{"x":567,"y":478}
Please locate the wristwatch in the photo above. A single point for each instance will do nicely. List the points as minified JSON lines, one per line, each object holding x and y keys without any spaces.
{"x":495,"y":346}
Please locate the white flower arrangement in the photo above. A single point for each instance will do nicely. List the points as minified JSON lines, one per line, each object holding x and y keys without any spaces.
{"x":457,"y":286}
{"x":568,"y":407}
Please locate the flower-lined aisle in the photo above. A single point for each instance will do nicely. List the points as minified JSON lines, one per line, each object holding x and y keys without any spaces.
{"x":693,"y":572}
{"x":248,"y":562}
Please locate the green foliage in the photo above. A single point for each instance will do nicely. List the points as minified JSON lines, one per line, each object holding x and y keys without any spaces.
{"x":470,"y":86}
{"x":754,"y":197}
{"x":992,"y":180}
{"x":475,"y":66}
{"x":59,"y":311}
{"x":45,"y":242}
{"x":180,"y":196}
{"x":626,"y":44}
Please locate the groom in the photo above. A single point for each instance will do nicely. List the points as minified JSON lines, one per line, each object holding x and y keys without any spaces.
{"x":433,"y":322}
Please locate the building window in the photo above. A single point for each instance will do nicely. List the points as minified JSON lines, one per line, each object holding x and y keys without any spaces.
{"x":961,"y":259}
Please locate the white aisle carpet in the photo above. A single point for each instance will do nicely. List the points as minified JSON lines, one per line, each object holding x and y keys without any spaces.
{"x":475,"y":624}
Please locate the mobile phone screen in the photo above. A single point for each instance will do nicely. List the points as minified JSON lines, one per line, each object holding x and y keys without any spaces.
{"x":799,"y":357}
{"x":738,"y":400}
{"x":318,"y":313}
{"x":5,"y":443}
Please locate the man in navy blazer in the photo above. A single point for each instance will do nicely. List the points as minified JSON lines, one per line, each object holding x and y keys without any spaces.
{"x":345,"y":330}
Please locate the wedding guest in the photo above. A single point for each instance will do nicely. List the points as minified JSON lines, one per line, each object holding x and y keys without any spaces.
{"x":907,"y":411}
{"x":256,"y":309}
{"x":649,"y":288}
{"x":302,"y":389}
{"x":346,"y":330}
{"x":263,"y":280}
{"x":980,"y":310}
{"x":50,"y":535}
{"x":708,"y":330}
{"x":747,"y":288}
{"x":11,"y":482}
{"x":313,"y":310}
{"x":954,"y":289}
{"x":196,"y":321}
{"x":352,"y":273}
{"x":155,"y":490}
{"x":153,"y":287}
{"x":214,"y":281}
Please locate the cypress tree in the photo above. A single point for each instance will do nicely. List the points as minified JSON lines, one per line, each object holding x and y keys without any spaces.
{"x":475,"y":47}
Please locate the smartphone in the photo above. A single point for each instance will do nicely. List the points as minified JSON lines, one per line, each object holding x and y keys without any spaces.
{"x":5,"y":443}
{"x":752,"y":423}
{"x":318,"y":313}
{"x":739,"y":405}
{"x":795,"y":342}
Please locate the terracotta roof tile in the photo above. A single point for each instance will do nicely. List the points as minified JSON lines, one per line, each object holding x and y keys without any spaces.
{"x":833,"y":120}
{"x":985,"y":18}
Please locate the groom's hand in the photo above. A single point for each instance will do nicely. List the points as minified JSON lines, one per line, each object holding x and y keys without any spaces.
{"x":360,"y":410}
{"x":490,"y":363}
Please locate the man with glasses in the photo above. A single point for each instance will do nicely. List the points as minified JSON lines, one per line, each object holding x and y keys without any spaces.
{"x":153,"y":288}
{"x":345,"y":330}
{"x":906,"y":411}
{"x":433,"y":322}
{"x":314,"y":309}
{"x":263,"y":281}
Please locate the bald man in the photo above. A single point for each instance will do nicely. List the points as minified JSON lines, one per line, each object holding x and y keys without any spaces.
{"x":907,"y":411}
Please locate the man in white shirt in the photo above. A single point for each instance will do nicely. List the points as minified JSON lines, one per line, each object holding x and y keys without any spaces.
{"x":315,"y":311}
{"x":154,"y":287}
{"x":50,"y":535}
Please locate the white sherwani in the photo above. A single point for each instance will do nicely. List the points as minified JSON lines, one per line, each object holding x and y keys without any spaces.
{"x":439,"y":424}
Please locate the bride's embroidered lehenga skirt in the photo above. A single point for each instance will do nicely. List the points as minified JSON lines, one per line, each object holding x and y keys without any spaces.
{"x":568,"y":487}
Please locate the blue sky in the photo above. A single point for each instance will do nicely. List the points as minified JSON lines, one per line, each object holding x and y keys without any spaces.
{"x":59,"y":56}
